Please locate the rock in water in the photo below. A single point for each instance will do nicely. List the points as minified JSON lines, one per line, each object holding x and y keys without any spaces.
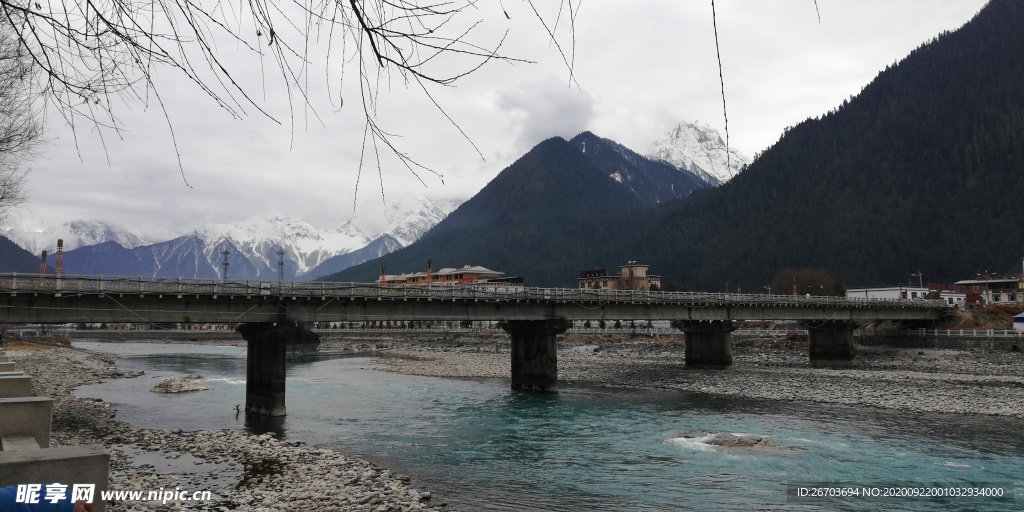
{"x":737,"y":441}
{"x":175,"y":385}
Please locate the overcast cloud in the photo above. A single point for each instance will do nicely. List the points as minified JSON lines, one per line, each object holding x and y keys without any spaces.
{"x":545,"y":108}
{"x":639,"y":68}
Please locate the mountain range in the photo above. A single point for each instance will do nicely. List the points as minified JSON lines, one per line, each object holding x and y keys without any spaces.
{"x":558,"y":206}
{"x":920,"y":173}
{"x":253,"y":245}
{"x":98,"y":248}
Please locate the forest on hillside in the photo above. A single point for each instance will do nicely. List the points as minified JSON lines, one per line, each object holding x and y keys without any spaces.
{"x":922,"y":171}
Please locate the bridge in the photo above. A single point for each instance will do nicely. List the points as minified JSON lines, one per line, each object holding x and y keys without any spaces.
{"x":271,"y":314}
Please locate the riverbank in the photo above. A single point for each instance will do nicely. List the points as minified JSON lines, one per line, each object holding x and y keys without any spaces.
{"x":248,"y":472}
{"x":242,"y":471}
{"x":975,"y":382}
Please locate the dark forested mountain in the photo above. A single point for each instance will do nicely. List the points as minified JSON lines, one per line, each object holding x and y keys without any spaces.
{"x":15,"y":259}
{"x":924,"y":170}
{"x":547,"y":215}
{"x":652,"y":182}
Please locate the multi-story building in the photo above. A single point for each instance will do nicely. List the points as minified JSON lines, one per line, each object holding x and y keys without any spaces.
{"x":453,"y":276}
{"x":994,"y":289}
{"x":632,"y":276}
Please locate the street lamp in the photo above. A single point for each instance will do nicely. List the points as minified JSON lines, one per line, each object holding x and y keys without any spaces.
{"x":920,"y":282}
{"x":769,"y":288}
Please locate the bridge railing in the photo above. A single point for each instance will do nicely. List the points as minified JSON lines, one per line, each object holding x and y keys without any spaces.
{"x":949,"y":333}
{"x":98,"y":285}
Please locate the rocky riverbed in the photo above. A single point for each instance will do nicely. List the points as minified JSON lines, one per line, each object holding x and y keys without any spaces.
{"x":975,"y":381}
{"x":259,"y":473}
{"x":244,"y":472}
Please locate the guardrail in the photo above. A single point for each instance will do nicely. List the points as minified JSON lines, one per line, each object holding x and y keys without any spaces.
{"x":950,"y":333}
{"x":149,"y":286}
{"x":654,"y":331}
{"x":40,"y":330}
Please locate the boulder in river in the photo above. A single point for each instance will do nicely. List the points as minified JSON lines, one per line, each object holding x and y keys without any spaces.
{"x":734,"y":441}
{"x":176,"y":385}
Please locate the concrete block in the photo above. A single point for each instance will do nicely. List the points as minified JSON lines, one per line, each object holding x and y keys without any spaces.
{"x":26,"y":416}
{"x":18,"y":443}
{"x":5,"y":359}
{"x":12,"y":386}
{"x":88,"y":464}
{"x":8,"y":367}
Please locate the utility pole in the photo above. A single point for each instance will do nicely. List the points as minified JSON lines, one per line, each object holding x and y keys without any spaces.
{"x":988,"y":292}
{"x":225,"y":252}
{"x":60,"y":257}
{"x":280,"y":264}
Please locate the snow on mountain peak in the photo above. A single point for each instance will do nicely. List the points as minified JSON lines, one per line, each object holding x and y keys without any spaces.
{"x":409,"y":219}
{"x":305,"y":247}
{"x":257,"y":241}
{"x":699,"y":148}
{"x":75,"y":234}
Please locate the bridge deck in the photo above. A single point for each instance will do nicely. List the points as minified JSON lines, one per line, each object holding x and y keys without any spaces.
{"x":51,"y":299}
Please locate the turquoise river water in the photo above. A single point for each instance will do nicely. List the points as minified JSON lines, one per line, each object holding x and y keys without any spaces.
{"x":480,"y":446}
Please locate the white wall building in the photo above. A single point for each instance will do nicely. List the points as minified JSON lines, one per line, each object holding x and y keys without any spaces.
{"x":888,"y":292}
{"x":952,"y":298}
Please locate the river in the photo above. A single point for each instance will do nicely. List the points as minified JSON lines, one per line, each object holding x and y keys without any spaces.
{"x":481,"y":446}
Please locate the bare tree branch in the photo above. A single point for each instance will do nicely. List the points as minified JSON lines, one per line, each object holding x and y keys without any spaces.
{"x":94,"y":55}
{"x":20,"y":121}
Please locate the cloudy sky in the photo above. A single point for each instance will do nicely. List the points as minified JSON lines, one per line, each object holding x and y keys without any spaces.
{"x":637,"y":71}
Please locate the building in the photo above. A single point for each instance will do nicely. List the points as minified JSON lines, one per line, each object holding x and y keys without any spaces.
{"x":632,"y":276}
{"x":888,"y":292}
{"x":475,"y":275}
{"x":993,"y":289}
{"x":952,"y":297}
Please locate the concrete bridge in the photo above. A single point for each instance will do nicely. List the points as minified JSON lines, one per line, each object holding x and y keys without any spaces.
{"x":271,"y":314}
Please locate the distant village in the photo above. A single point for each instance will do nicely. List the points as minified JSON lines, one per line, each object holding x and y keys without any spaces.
{"x":969,"y":293}
{"x":983,"y":290}
{"x":631,"y":276}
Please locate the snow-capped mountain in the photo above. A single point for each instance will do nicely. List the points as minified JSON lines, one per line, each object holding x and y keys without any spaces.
{"x":79,"y":233}
{"x":409,"y":219}
{"x":700,"y":149}
{"x":259,"y":240}
{"x":256,"y":247}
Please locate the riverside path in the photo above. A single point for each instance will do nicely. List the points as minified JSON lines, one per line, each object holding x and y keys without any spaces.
{"x":270,"y":314}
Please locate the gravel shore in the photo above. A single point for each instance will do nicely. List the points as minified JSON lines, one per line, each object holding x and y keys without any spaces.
{"x":249,"y":472}
{"x":244,"y":472}
{"x":973,"y":382}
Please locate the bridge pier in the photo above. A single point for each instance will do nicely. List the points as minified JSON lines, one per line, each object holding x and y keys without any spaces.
{"x":831,"y":343}
{"x":708,"y":343}
{"x":267,"y":343}
{"x":535,"y":353}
